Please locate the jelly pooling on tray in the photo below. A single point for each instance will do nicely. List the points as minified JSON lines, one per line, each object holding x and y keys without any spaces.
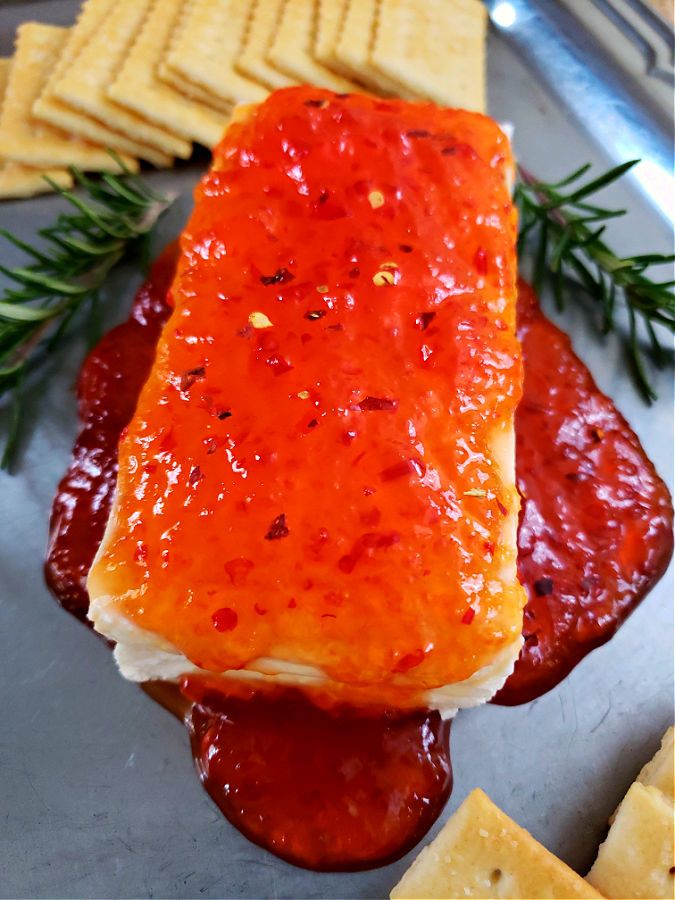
{"x":320,"y":468}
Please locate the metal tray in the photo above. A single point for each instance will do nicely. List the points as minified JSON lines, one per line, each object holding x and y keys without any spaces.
{"x":98,"y":796}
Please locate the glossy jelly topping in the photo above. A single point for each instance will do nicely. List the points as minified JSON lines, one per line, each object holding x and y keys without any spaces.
{"x":312,"y":473}
{"x":596,"y":521}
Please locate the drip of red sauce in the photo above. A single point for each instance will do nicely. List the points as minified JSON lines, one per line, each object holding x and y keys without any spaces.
{"x":333,"y":789}
{"x":596,"y":521}
{"x":326,"y":789}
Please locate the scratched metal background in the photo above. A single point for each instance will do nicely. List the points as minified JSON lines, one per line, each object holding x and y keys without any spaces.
{"x":98,"y":797}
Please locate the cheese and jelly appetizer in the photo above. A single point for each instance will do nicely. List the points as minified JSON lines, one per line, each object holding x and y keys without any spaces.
{"x":318,"y":484}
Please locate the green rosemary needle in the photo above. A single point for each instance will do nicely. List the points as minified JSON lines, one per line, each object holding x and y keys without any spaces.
{"x":112,"y":216}
{"x":567,"y":229}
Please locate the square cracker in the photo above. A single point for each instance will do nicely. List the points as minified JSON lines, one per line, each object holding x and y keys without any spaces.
{"x":22,"y":137}
{"x":481,"y":852}
{"x":253,"y":58}
{"x":138,"y":88}
{"x":292,"y":48}
{"x":84,"y":82}
{"x":205,"y":45}
{"x":434,"y":49}
{"x":48,"y":108}
{"x":17,"y":180}
{"x":637,"y":859}
{"x":658,"y":772}
{"x":349,"y":54}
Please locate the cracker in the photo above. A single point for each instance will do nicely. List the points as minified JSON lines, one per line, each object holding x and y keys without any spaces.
{"x":658,"y":772}
{"x":139,"y":89}
{"x":253,"y":58}
{"x":637,"y":857}
{"x":481,"y":852}
{"x":435,"y":49}
{"x":350,"y":54}
{"x":330,"y":16}
{"x":84,"y":82}
{"x":17,"y":180}
{"x":292,"y":47}
{"x":48,"y":108}
{"x":22,"y":137}
{"x":205,"y":46}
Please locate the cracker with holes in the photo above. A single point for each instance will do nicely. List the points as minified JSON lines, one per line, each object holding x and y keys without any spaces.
{"x":252,"y":61}
{"x":434,"y":50}
{"x":84,"y":83}
{"x":138,"y":88}
{"x":18,"y":180}
{"x":481,"y":852}
{"x":49,"y":108}
{"x":205,"y":46}
{"x":23,"y":138}
{"x":291,"y":50}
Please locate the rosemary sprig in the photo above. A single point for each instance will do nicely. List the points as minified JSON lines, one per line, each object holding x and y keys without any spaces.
{"x":568,"y":228}
{"x":112,"y":216}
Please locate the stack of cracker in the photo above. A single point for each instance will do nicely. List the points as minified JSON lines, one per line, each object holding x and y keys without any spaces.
{"x":481,"y":852}
{"x":149,"y":78}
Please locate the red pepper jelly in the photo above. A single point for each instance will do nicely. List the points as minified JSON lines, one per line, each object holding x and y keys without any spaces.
{"x":596,"y":521}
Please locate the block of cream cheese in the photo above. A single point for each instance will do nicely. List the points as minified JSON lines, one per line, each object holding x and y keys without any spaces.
{"x":318,"y":484}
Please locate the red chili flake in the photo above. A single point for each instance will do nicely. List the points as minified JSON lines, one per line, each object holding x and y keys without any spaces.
{"x":312,"y":423}
{"x":355,"y":272}
{"x":278,"y":364}
{"x":281,"y":276}
{"x":323,"y":196}
{"x":489,"y":547}
{"x":371,"y":518}
{"x":210,"y":445}
{"x":424,"y":320}
{"x":195,"y":475}
{"x":238,"y":570}
{"x":405,"y":248}
{"x":502,"y":509}
{"x":398,"y":470}
{"x":224,"y":619}
{"x":369,"y":541}
{"x":188,"y":378}
{"x":314,"y":314}
{"x":418,"y":133}
{"x":597,"y":434}
{"x":141,"y":552}
{"x":223,"y":414}
{"x":149,"y":468}
{"x":460,"y":150}
{"x":384,"y":404}
{"x":292,"y":603}
{"x":348,"y":437}
{"x":246,"y":331}
{"x":316,"y":103}
{"x":278,"y":529}
{"x":480,"y":261}
{"x":543,"y":586}
{"x":469,"y":616}
{"x":260,"y":609}
{"x":337,"y":327}
{"x":368,"y":491}
{"x":409,"y":661}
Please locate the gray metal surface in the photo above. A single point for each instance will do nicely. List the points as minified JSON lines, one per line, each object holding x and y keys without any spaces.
{"x":98,"y":797}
